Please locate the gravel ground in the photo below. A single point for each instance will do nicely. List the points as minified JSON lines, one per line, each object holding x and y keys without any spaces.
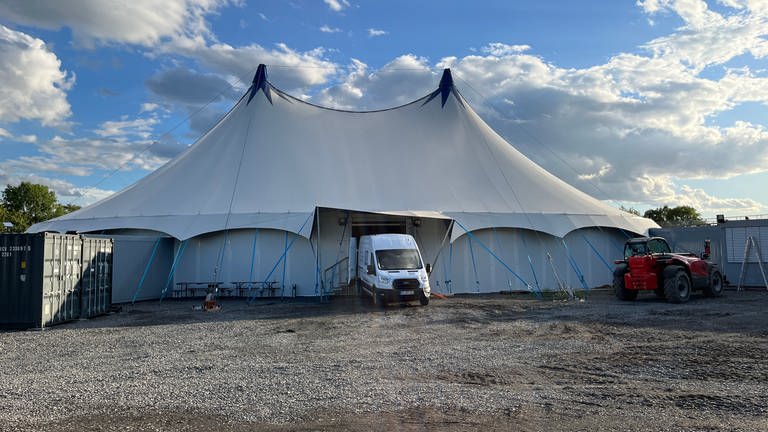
{"x":480,"y":363}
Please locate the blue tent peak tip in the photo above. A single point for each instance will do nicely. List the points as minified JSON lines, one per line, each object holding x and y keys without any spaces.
{"x":260,"y":83}
{"x":446,"y":82}
{"x":446,"y":85}
{"x":445,"y":88}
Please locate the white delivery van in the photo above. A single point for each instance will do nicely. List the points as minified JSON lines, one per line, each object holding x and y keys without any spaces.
{"x":390,"y":269}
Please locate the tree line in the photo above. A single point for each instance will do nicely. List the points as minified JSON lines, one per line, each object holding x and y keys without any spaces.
{"x":28,"y":204}
{"x":671,"y":216}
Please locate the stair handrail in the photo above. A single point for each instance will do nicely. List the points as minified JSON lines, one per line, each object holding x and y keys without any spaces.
{"x":334,"y":267}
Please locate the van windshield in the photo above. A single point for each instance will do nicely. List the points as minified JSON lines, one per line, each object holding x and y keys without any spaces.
{"x":398,"y":259}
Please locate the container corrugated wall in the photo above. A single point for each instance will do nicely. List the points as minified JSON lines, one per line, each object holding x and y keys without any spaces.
{"x":42,"y":277}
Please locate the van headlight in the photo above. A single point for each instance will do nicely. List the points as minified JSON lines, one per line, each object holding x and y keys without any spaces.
{"x":424,"y":279}
{"x":384,"y":280}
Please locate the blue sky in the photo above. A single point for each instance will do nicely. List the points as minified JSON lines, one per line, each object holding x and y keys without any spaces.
{"x":642,"y":104}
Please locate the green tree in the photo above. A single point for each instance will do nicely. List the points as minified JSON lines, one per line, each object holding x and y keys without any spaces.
{"x":30,"y":203}
{"x":680,"y":215}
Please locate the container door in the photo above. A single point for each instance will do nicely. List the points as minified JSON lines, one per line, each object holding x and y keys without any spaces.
{"x":96,"y":290}
{"x":61,"y":278}
{"x":20,"y":281}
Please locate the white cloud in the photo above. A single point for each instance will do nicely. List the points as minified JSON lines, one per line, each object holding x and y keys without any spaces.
{"x":337,"y":5}
{"x":394,"y":84}
{"x":140,"y":22}
{"x":375,"y":32}
{"x":709,"y":38}
{"x":142,"y":128}
{"x":33,"y":84}
{"x":328,"y":29}
{"x":298,"y":70}
{"x":29,"y":139}
{"x":148,"y":107}
{"x":665,"y":191}
{"x":4,"y":133}
{"x":500,"y":49}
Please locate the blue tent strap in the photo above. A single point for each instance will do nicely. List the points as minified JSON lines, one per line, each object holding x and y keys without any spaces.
{"x":608,"y":266}
{"x":285,"y":252}
{"x":285,"y":264}
{"x":497,"y":258}
{"x":474,"y":265}
{"x":575,"y":267}
{"x":146,"y":270}
{"x":533,"y":269}
{"x":176,"y":261}
{"x":220,"y":259}
{"x":535,"y":279}
{"x":253,"y":254}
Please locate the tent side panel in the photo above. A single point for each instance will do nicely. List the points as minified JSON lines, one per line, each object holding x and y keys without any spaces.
{"x":249,"y":255}
{"x":527,"y":253}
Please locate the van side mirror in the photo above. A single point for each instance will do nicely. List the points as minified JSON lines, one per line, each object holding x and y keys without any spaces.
{"x":429,"y":269}
{"x":371,"y":269}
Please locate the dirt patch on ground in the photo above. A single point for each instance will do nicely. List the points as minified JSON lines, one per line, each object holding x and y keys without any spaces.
{"x":479,"y":363}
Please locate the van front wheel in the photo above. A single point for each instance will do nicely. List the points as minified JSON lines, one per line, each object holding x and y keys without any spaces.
{"x":423,"y":299}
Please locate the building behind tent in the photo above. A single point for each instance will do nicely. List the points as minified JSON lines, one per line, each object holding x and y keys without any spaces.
{"x":738,"y":246}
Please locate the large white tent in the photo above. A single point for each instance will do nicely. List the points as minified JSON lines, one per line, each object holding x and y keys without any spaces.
{"x":278,"y":186}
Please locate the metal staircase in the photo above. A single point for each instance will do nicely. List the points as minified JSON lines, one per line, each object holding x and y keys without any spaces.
{"x":337,"y":279}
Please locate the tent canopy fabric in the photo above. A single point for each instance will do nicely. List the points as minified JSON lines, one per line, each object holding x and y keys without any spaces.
{"x":274,"y":159}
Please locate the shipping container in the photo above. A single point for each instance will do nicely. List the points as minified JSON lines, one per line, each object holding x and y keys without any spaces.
{"x":41,"y":279}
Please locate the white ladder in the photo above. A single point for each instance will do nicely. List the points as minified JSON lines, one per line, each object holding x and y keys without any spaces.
{"x":747,"y":248}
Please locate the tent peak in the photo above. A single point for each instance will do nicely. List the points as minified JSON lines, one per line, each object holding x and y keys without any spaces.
{"x":260,"y":83}
{"x":446,"y":82}
{"x":445,"y":89}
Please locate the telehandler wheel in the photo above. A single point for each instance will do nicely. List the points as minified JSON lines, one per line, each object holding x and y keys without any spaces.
{"x":715,"y":287}
{"x":618,"y":288}
{"x":678,"y":286}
